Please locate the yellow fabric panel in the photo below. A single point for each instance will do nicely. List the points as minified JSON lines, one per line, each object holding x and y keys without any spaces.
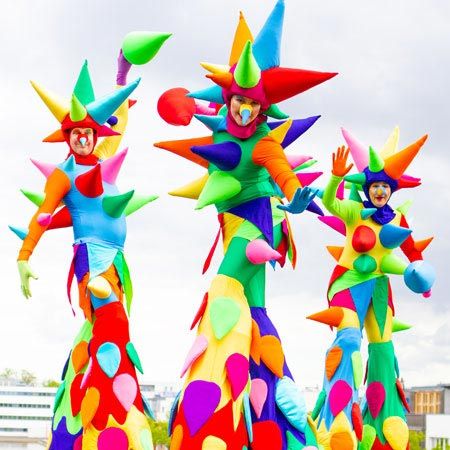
{"x":350,"y":319}
{"x":231,"y":223}
{"x":373,"y":330}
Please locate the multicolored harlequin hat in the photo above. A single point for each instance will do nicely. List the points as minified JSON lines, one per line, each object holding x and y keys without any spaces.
{"x":254,"y":69}
{"x":388,"y":165}
{"x":83,"y":109}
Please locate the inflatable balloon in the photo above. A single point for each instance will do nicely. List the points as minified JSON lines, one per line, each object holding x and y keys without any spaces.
{"x":98,"y":404}
{"x":238,"y":391}
{"x":360,"y":296}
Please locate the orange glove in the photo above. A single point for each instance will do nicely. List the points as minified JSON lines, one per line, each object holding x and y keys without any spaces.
{"x":340,"y":167}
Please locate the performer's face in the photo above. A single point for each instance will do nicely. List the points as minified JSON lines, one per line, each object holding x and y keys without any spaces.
{"x":379,"y":193}
{"x":82,"y":140}
{"x":244,"y":110}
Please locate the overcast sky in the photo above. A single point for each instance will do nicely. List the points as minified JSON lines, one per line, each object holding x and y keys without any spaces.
{"x":393,"y":64}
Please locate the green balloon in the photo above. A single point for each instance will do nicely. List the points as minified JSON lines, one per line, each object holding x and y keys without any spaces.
{"x":139,"y":47}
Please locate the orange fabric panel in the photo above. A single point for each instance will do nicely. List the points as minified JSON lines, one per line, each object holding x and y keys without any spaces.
{"x":57,"y":186}
{"x":270,"y":154}
{"x":332,"y":362}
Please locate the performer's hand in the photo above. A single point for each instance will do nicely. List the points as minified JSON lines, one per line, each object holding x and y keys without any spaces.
{"x":123,"y":67}
{"x":25,"y":273}
{"x":340,"y":167}
{"x":302,"y":198}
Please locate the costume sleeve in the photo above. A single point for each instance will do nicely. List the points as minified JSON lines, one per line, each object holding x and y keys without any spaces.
{"x":347,"y":210}
{"x":408,"y":247}
{"x":57,"y":186}
{"x":108,"y":147}
{"x":270,"y":154}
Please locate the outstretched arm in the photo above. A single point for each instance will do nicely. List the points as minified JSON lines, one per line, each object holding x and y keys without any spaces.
{"x":347,"y":210}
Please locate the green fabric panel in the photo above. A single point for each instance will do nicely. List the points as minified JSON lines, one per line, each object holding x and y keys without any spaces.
{"x":319,"y":403}
{"x":349,"y":279}
{"x":381,"y":367}
{"x":310,"y":436}
{"x":380,"y":301}
{"x":255,"y":180}
{"x":255,"y":289}
{"x":64,"y":408}
{"x":127,"y":285}
{"x":292,"y":442}
{"x":357,"y":367}
{"x":118,"y":264}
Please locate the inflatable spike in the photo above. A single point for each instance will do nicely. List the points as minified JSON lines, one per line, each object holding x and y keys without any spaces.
{"x":212,"y":94}
{"x":376,"y":163}
{"x":45,"y":168}
{"x":215,"y":68}
{"x":392,"y":264}
{"x":399,"y":326}
{"x":140,"y":47}
{"x":44,"y":219}
{"x":395,"y":165}
{"x":111,"y":167}
{"x":109,"y":358}
{"x":334,"y":222}
{"x":404,"y":208}
{"x":69,"y":164}
{"x":77,"y":110}
{"x":419,"y":276}
{"x":406,"y":181}
{"x":222,"y":79}
{"x":90,"y":183}
{"x":314,"y":208}
{"x":198,"y":348}
{"x":281,"y":83}
{"x":268,"y":42}
{"x":278,"y":134}
{"x":183,"y":148}
{"x":420,"y":246}
{"x":291,"y":403}
{"x":134,"y":357}
{"x":237,"y":367}
{"x":357,"y":150}
{"x":391,"y":145}
{"x":392,"y":236}
{"x":103,"y":108}
{"x":297,"y":160}
{"x":100,"y":287}
{"x":354,"y":194}
{"x":224,"y":314}
{"x":83,"y":90}
{"x":241,"y":36}
{"x":219,"y":187}
{"x":335,"y":252}
{"x":367,"y":212}
{"x":396,"y":432}
{"x":214,"y":123}
{"x":114,"y":205}
{"x":275,"y":112}
{"x":358,"y":178}
{"x":61,"y":219}
{"x":307,"y":178}
{"x":137,"y":202}
{"x":56,"y":136}
{"x":332,"y":316}
{"x":259,"y":251}
{"x":35,"y":197}
{"x":365,"y":263}
{"x":21,"y":233}
{"x":306,"y":165}
{"x":191,"y":190}
{"x":297,"y":128}
{"x":401,"y":394}
{"x":340,"y":191}
{"x":58,"y":106}
{"x":247,"y":72}
{"x":225,"y":155}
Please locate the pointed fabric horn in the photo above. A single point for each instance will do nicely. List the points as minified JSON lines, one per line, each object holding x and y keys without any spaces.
{"x":83,"y":88}
{"x":281,"y":83}
{"x":396,"y":164}
{"x":77,"y":110}
{"x":376,"y":163}
{"x":391,"y":145}
{"x":241,"y":36}
{"x":268,"y":42}
{"x":247,"y":73}
{"x":58,"y":106}
{"x":358,"y":150}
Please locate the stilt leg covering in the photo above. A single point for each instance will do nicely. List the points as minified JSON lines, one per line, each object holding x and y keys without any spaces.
{"x":278,"y":410}
{"x":214,"y":410}
{"x":100,"y":393}
{"x":384,"y":410}
{"x":337,"y":413}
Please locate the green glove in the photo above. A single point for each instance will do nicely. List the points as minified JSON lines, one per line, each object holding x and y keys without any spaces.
{"x":25,"y":273}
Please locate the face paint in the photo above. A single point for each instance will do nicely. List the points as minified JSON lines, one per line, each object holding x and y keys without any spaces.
{"x":82,"y":139}
{"x":245,"y":111}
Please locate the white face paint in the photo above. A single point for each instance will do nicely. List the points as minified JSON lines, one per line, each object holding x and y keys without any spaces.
{"x":379,"y":193}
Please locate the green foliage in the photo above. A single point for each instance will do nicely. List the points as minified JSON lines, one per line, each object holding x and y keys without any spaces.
{"x":416,"y":440}
{"x":51,"y":383}
{"x":160,"y":433}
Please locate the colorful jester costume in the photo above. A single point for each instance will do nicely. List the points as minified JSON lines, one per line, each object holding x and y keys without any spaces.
{"x":360,"y":295}
{"x":98,"y":404}
{"x":239,"y":392}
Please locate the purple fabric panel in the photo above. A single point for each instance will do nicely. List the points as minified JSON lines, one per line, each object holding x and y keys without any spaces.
{"x":62,"y":439}
{"x":270,"y":410}
{"x":259,"y":213}
{"x":81,"y":262}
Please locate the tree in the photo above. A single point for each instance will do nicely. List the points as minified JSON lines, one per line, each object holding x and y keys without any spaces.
{"x":160,"y":433}
{"x":416,"y":440}
{"x":8,"y":374}
{"x":51,"y":383}
{"x":28,"y":378}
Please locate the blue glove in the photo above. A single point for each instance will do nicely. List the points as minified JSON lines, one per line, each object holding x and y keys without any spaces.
{"x":302,"y":198}
{"x":419,"y":276}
